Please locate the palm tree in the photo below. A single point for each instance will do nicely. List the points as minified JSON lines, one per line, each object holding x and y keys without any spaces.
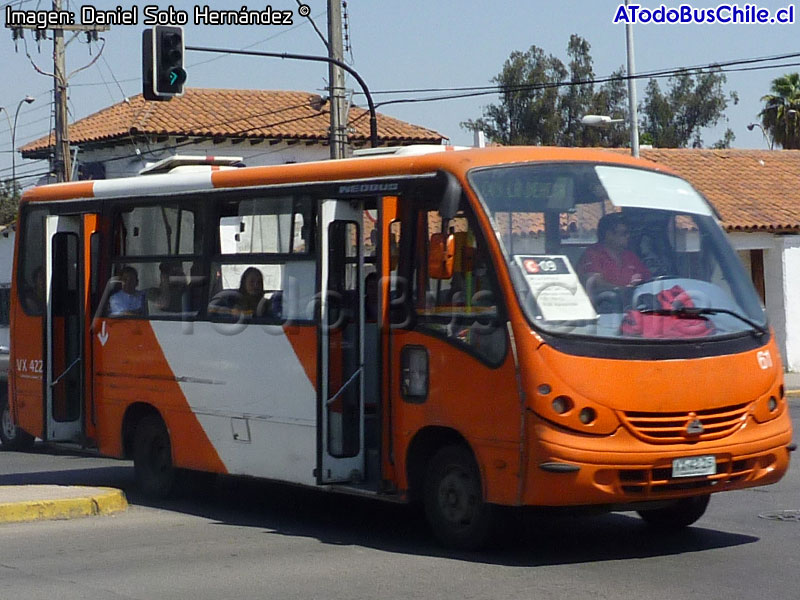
{"x":781,"y":114}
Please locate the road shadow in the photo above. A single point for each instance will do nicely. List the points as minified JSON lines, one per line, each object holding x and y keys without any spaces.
{"x":535,"y":538}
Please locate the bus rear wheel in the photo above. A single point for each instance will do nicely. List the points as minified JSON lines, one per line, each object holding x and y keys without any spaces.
{"x":152,"y":458}
{"x":676,"y":516}
{"x":12,"y":437}
{"x":453,"y":498}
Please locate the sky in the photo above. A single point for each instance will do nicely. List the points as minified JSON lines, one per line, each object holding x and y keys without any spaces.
{"x":394,"y":45}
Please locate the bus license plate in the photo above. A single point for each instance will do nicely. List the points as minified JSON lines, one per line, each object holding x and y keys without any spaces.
{"x":694,"y":466}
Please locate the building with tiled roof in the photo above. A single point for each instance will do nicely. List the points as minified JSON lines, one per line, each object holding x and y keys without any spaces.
{"x":263,"y":127}
{"x":753,"y":190}
{"x":757,"y":196}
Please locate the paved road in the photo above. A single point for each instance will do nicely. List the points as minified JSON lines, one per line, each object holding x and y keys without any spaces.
{"x":246,"y":539}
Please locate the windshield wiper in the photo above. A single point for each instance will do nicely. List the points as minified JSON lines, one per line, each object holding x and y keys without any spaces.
{"x":686,"y":311}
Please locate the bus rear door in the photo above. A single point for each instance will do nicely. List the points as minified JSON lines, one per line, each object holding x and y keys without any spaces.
{"x":64,"y":333}
{"x":340,"y":429}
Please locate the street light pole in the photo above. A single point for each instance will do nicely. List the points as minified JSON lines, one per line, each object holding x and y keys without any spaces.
{"x":768,"y":139}
{"x":13,"y":128}
{"x":632,"y":88}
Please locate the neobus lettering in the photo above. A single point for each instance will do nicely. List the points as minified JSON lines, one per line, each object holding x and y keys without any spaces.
{"x":368,"y":187}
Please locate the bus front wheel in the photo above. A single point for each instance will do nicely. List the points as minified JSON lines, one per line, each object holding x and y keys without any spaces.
{"x":152,"y":458}
{"x":12,"y":437}
{"x":679,"y":515}
{"x":453,"y":498}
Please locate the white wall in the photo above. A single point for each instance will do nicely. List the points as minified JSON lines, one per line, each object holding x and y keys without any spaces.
{"x":774,"y":294}
{"x":6,"y":255}
{"x":789,"y":246}
{"x":6,"y":263}
{"x":781,"y":288}
{"x":122,"y":161}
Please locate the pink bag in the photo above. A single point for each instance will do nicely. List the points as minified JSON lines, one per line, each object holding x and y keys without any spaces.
{"x":652,"y":325}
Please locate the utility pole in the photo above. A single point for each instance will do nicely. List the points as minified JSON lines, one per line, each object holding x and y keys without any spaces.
{"x":338,"y":132}
{"x":632,"y":101}
{"x":61,"y":162}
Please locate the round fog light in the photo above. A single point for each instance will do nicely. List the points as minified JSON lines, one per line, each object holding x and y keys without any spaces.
{"x":772,"y":404}
{"x":544,"y":389}
{"x":562,"y":404}
{"x":587,"y":416}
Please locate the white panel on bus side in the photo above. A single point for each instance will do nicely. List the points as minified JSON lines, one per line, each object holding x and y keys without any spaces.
{"x":246,"y":372}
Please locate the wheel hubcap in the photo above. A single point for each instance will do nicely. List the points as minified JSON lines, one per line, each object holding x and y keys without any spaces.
{"x":456,"y":497}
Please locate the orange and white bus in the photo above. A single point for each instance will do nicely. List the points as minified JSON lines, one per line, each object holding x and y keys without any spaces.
{"x":422,"y":325}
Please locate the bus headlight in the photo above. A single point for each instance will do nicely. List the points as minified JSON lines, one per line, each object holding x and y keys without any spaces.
{"x":562,"y":404}
{"x":768,"y":407}
{"x":587,"y":415}
{"x":576,"y":413}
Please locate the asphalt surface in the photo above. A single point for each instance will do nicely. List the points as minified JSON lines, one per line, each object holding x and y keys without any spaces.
{"x":46,"y":502}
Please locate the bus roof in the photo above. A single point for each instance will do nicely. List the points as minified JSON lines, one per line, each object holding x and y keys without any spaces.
{"x":406,"y":163}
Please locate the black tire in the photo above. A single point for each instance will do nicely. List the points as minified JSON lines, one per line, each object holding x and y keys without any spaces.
{"x":152,"y":458}
{"x":676,"y":516}
{"x":453,"y":499}
{"x":12,"y":437}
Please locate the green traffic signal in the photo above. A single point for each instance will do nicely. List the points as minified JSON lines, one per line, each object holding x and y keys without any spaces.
{"x":169,"y":74}
{"x":177,"y":76}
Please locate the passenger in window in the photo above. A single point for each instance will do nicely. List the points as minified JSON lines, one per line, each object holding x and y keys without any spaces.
{"x":609,"y":264}
{"x":128,"y":301}
{"x":250,"y":301}
{"x":35,"y":296}
{"x":168,"y":296}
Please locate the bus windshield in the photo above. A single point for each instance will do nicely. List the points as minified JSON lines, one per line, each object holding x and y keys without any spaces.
{"x":616,"y":252}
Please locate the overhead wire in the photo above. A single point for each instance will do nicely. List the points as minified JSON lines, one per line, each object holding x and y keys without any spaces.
{"x":476,"y":91}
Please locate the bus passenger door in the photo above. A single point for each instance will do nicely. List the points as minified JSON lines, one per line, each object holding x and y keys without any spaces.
{"x":340,"y":411}
{"x":64,"y":329}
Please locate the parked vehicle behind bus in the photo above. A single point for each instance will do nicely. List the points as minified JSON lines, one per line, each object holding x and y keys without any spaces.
{"x":467,"y":329}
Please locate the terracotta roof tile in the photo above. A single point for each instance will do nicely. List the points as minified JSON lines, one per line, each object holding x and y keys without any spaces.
{"x":751,"y":189}
{"x":231,"y":113}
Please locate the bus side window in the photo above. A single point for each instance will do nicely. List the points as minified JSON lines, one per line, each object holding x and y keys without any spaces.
{"x":30,"y":275}
{"x":459,"y":303}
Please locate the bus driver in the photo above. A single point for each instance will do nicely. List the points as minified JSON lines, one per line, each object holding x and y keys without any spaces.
{"x":609,"y":264}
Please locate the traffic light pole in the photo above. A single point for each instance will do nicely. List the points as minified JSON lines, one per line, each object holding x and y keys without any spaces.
{"x":373,"y":121}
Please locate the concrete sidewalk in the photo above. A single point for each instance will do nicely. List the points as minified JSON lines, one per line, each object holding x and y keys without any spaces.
{"x":20,"y":503}
{"x":791,"y":382}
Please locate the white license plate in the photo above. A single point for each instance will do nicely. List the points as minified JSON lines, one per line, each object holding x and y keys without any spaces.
{"x":694,"y":466}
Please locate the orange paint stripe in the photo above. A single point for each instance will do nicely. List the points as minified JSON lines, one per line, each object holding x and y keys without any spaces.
{"x":60,"y":191}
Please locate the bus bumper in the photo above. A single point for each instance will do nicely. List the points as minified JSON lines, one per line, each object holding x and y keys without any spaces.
{"x":619,"y":469}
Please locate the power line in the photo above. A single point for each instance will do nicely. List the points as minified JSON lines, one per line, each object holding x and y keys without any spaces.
{"x":639,"y":75}
{"x":666,"y":73}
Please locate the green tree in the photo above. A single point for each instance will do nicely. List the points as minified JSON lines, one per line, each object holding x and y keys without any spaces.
{"x":693,"y":101}
{"x":8,"y":204}
{"x":781,"y":113}
{"x":528,"y":110}
{"x":543,"y":101}
{"x":576,"y":99}
{"x":612,"y":100}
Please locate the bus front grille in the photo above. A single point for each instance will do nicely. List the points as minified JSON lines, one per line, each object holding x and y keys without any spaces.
{"x":659,"y":480}
{"x":690,"y":426}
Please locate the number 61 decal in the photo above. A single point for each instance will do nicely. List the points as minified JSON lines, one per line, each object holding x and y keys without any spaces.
{"x":764,"y":359}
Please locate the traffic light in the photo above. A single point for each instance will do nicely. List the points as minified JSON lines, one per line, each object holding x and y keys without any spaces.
{"x":168,"y":72}
{"x":163,"y":74}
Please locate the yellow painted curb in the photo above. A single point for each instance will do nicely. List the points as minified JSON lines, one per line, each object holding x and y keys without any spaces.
{"x":793,"y":393}
{"x":107,"y":501}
